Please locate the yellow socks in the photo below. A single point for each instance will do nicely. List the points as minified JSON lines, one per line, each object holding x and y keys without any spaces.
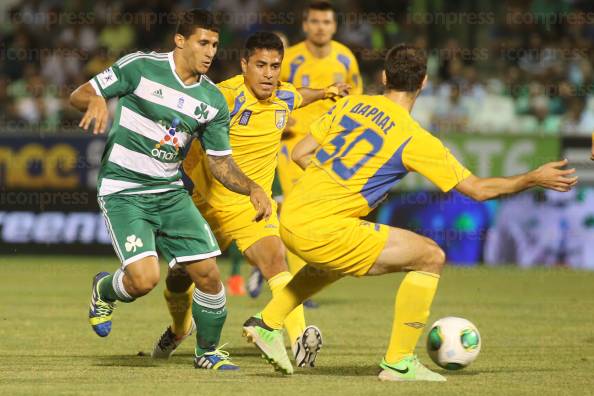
{"x":295,"y":262}
{"x":304,"y":284}
{"x":295,"y":322}
{"x":180,"y":309}
{"x":413,"y":302}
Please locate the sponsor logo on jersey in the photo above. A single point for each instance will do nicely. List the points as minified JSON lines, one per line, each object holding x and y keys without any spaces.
{"x":158,"y":93}
{"x":163,"y":155}
{"x":280,"y":116}
{"x":180,"y":103}
{"x":245,"y":117}
{"x":107,"y":78}
{"x":169,"y":138}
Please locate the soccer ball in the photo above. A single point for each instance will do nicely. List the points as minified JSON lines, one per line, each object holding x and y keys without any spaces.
{"x":453,"y":343}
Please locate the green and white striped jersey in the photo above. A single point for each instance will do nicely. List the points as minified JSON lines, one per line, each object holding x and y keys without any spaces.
{"x":156,"y":117}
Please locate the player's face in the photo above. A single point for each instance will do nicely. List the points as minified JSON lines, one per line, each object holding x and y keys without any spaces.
{"x":199,"y":49}
{"x":319,"y":27}
{"x":261,"y":71}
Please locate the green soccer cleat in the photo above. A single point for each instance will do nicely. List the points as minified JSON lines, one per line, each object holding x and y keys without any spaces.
{"x":270,"y":342}
{"x":407,"y":369}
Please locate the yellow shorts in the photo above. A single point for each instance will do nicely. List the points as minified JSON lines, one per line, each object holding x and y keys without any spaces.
{"x":348,"y":246}
{"x":287,"y":170}
{"x":235,"y":223}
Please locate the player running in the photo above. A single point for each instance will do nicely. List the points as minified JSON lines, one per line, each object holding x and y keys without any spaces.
{"x":164,"y":100}
{"x":260,"y":106}
{"x":316,"y":62}
{"x":354,"y":155}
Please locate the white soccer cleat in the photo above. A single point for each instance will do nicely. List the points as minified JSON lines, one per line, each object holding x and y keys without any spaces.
{"x":306,"y":347}
{"x":168,"y":342}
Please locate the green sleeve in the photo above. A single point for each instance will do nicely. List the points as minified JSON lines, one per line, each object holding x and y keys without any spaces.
{"x":118,"y":80}
{"x":215,"y":137}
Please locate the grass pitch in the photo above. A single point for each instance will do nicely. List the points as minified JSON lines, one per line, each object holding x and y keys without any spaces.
{"x":537,"y":328}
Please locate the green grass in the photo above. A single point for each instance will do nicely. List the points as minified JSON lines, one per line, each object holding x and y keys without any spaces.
{"x":537,"y":330}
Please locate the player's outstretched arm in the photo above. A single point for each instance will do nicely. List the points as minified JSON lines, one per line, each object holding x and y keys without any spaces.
{"x":225,"y":170}
{"x":549,"y":175}
{"x":303,"y":151}
{"x":334,"y":91}
{"x":84,"y":98}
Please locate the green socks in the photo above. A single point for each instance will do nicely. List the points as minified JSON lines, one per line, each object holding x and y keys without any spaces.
{"x":111,"y":288}
{"x":209,"y":313}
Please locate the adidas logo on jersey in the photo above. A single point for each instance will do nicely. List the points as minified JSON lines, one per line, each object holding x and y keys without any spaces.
{"x":158,"y":93}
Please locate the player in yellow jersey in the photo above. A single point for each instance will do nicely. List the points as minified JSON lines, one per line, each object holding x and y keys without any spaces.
{"x":259,"y":106}
{"x":316,"y":62}
{"x":354,"y":154}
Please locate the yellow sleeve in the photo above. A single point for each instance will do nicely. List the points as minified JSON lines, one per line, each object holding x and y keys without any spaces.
{"x":298,"y":96}
{"x":354,"y":76}
{"x":426,"y":154}
{"x":228,"y":93}
{"x":321,"y":127}
{"x":289,"y":94}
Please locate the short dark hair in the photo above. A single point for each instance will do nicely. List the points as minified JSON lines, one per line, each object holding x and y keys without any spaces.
{"x":406,"y":67}
{"x":194,"y":19}
{"x":263,"y":40}
{"x":319,"y":6}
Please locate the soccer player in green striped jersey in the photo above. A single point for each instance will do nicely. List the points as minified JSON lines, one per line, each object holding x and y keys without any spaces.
{"x":165,"y":100}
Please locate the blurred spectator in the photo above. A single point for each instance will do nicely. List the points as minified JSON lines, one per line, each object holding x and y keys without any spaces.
{"x":507,"y":76}
{"x":451,"y":115}
{"x":578,"y":120}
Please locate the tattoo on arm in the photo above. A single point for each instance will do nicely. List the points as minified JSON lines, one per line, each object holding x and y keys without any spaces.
{"x":225,"y":170}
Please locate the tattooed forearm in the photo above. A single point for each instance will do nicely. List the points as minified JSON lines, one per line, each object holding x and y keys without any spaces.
{"x":225,"y":170}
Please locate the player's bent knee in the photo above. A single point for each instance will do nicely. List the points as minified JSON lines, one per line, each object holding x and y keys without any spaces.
{"x":434,"y":259}
{"x":142,"y":285}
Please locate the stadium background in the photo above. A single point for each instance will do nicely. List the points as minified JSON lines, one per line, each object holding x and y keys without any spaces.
{"x":511,"y":86}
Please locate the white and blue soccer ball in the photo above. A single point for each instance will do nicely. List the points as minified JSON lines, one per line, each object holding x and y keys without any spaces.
{"x":453,"y":343}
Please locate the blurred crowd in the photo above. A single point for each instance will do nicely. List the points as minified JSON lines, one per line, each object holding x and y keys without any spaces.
{"x":524,"y":67}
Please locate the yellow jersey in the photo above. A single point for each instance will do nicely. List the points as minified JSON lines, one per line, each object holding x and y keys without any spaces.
{"x":255,"y":133}
{"x":303,"y":70}
{"x":367,"y":144}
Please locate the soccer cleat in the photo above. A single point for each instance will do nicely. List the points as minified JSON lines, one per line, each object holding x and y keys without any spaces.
{"x":235,"y":286}
{"x":270,"y":342}
{"x":310,"y":304}
{"x":100,"y":311}
{"x":307,"y":346}
{"x":168,"y":343}
{"x":407,"y":369}
{"x":254,"y":283}
{"x":215,"y":360}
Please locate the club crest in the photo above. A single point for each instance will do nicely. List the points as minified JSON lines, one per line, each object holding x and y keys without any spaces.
{"x":280,"y":117}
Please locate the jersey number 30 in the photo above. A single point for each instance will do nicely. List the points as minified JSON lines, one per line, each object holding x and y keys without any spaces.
{"x":342,"y":170}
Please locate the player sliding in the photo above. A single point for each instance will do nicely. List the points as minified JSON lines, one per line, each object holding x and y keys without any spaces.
{"x":164,"y":100}
{"x":260,"y":106}
{"x":353,"y":156}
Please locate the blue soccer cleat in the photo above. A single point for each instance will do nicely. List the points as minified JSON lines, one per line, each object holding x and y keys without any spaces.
{"x":254,"y":283}
{"x":310,"y":304}
{"x":100,"y":311}
{"x":215,"y":360}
